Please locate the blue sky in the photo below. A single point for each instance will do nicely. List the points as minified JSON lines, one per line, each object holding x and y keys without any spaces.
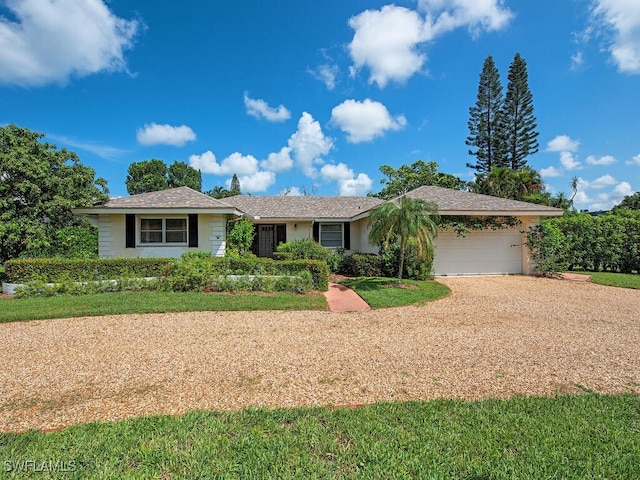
{"x":313,"y":96}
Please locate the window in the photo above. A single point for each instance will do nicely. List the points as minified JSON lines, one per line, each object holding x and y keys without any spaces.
{"x":331,"y":235}
{"x":163,"y":230}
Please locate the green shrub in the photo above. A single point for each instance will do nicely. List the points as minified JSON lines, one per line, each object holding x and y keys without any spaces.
{"x":53,"y":270}
{"x":74,"y":241}
{"x":548,"y":247}
{"x":38,"y":288}
{"x":240,"y":235}
{"x":301,"y":250}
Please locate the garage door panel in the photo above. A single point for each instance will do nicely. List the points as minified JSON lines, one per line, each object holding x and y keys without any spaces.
{"x":484,"y":252}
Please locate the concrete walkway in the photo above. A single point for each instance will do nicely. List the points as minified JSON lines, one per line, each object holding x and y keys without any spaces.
{"x":343,"y":299}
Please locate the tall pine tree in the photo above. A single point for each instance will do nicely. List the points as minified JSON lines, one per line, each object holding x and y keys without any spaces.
{"x":518,"y":122}
{"x":485,"y":133}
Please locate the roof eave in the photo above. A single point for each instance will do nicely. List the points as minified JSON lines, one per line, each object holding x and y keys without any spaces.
{"x":154,"y":211}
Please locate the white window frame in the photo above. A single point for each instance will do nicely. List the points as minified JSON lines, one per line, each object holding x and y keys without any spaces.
{"x":333,"y":247}
{"x":163,"y":231}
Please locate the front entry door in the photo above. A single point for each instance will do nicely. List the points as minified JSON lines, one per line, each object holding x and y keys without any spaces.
{"x":265,"y":240}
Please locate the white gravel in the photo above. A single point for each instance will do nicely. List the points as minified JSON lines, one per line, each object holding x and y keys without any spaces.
{"x":492,"y":337}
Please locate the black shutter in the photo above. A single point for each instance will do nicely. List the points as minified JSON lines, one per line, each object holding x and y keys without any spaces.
{"x":281,"y":234}
{"x":130,"y":230}
{"x":347,"y":235}
{"x":316,"y":232}
{"x":193,"y":230}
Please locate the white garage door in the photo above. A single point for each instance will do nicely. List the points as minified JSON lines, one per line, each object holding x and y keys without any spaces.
{"x":483,"y":252}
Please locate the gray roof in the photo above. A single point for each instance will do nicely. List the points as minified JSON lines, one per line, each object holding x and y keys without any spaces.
{"x":180,"y":197}
{"x":304,"y":207}
{"x":456,"y":202}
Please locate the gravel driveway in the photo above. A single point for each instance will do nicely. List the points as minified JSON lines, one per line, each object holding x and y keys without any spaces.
{"x":492,"y":337}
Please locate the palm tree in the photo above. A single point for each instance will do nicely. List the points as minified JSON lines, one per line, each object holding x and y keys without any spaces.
{"x":575,"y":181}
{"x":407,"y":220}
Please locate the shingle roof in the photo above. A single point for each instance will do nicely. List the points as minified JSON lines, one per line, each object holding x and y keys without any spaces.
{"x":180,"y":197}
{"x":310,"y":207}
{"x":456,"y":201}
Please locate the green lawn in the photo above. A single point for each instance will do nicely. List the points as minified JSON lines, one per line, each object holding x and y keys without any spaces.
{"x":385,"y":292}
{"x":625,"y":280}
{"x":152,"y":302}
{"x":581,"y":436}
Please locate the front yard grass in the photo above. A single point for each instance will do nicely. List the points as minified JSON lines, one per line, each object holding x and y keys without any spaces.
{"x":579,"y":436}
{"x":625,"y":280}
{"x":386,"y":292}
{"x":65,"y":306}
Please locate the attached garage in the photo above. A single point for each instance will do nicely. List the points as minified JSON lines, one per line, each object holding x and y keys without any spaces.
{"x":479,"y":253}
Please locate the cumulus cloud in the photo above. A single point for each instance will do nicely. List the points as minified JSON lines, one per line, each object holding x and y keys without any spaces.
{"x":241,"y":165}
{"x":563,"y":143}
{"x":258,"y":108}
{"x":475,"y":15}
{"x":569,"y":162}
{"x":389,"y":41}
{"x":605,"y":197}
{"x":363,"y":121}
{"x":604,"y":160}
{"x":256,"y":182}
{"x":154,"y":134}
{"x":348,"y":183}
{"x":327,"y":74}
{"x":50,"y":41}
{"x":634,"y":161}
{"x":620,"y":18}
{"x":309,"y":144}
{"x":278,"y":161}
{"x":551,"y":172}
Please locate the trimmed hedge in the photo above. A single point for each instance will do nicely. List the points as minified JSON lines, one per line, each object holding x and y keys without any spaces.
{"x":60,"y":270}
{"x":84,"y":270}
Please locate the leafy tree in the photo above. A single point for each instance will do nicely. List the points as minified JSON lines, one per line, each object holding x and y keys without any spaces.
{"x":39,"y":185}
{"x":410,"y":221}
{"x":485,"y":133}
{"x":146,"y":176}
{"x":507,"y":183}
{"x":517,"y":121}
{"x":219,"y":192}
{"x":234,"y":188}
{"x":240,"y":235}
{"x":630,"y":202}
{"x":181,"y":174}
{"x":408,"y":177}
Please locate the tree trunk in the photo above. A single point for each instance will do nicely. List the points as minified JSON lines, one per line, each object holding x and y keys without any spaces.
{"x":401,"y":266}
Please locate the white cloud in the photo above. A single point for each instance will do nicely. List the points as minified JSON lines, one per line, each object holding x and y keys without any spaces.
{"x":234,"y":163}
{"x":569,"y":162}
{"x":634,"y":161}
{"x":104,"y":151}
{"x":291,"y":192}
{"x":256,"y":182}
{"x":604,"y":160}
{"x":258,"y":108}
{"x":386,"y":41}
{"x":363,"y":121}
{"x":563,"y":143}
{"x":52,"y":40}
{"x":279,"y":161}
{"x":476,"y":15}
{"x":602,"y":200}
{"x":326,"y":74}
{"x":622,"y":19}
{"x":551,"y":172}
{"x":309,"y":144}
{"x":577,"y":60}
{"x":348,"y":183}
{"x":154,"y":134}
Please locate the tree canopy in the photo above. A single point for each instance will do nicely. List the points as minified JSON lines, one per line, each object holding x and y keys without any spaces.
{"x":39,"y":185}
{"x":408,"y":177}
{"x":630,"y":202}
{"x":154,"y":175}
{"x":408,"y":220}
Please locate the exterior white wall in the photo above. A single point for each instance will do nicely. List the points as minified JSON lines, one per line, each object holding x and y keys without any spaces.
{"x":299,"y":231}
{"x":111,"y":237}
{"x":360,"y":237}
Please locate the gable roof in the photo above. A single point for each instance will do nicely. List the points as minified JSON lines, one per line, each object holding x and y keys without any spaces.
{"x":180,"y":198}
{"x":456,"y":202}
{"x":302,"y":208}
